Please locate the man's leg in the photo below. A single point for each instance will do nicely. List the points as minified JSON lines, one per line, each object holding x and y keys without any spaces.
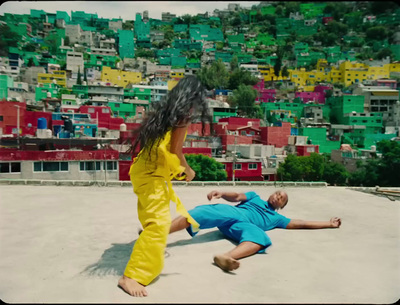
{"x":179,"y":223}
{"x":229,"y":261}
{"x":251,"y":240}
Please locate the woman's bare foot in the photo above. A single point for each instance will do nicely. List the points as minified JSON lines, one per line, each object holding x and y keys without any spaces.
{"x":132,"y":287}
{"x":226,"y":262}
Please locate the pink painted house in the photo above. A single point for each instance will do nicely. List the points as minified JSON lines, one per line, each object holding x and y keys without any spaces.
{"x":306,"y":97}
{"x":264,"y":95}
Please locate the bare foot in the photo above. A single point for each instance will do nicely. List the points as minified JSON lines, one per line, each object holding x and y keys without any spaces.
{"x":226,"y":262}
{"x":132,"y":287}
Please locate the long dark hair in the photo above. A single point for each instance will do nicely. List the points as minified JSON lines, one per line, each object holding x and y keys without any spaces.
{"x":183,"y":104}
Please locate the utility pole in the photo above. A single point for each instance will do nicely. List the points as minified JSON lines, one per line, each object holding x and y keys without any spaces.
{"x":18,"y":107}
{"x":234,"y":159}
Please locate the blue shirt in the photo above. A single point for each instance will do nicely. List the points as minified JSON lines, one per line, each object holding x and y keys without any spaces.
{"x":260,"y":213}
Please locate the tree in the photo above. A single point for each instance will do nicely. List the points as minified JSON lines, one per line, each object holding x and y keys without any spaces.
{"x":384,"y":53}
{"x":66,"y":41}
{"x":279,"y":11}
{"x":366,"y":174}
{"x":30,"y":62}
{"x":390,"y":163}
{"x":234,"y":63}
{"x":144,"y":53}
{"x":127,"y":25}
{"x":214,"y":76}
{"x":241,"y":76}
{"x":291,"y":7}
{"x":30,"y":47}
{"x":380,"y":7}
{"x":206,"y":168}
{"x":85,"y":76}
{"x":277,"y":66}
{"x":8,"y":39}
{"x":244,"y":99}
{"x":285,"y":72}
{"x":291,"y":169}
{"x":278,"y":63}
{"x":377,"y":33}
{"x":384,"y":171}
{"x":315,"y":167}
{"x":337,"y":28}
{"x":78,"y":78}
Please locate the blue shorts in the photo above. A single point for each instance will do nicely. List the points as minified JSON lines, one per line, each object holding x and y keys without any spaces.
{"x":231,"y":222}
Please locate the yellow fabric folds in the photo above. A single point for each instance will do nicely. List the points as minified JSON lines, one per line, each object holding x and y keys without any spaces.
{"x":151,"y":181}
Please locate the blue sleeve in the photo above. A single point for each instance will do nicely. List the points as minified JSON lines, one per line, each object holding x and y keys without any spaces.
{"x":282,"y":221}
{"x":250,"y":195}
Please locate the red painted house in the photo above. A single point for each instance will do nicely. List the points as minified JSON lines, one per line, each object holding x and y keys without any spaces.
{"x":245,"y":170}
{"x":276,"y":135}
{"x":235,"y":122}
{"x":28,"y":120}
{"x":103,"y":115}
{"x":306,"y":150}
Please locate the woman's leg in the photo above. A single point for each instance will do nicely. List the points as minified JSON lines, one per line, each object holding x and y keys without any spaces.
{"x":147,"y":258}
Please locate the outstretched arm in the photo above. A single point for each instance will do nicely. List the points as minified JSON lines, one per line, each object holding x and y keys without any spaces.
{"x":228,"y":196}
{"x":334,"y":222}
{"x":177,"y":139}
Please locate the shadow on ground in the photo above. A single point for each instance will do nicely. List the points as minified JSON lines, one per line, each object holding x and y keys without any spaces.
{"x":114,"y":259}
{"x":112,"y":262}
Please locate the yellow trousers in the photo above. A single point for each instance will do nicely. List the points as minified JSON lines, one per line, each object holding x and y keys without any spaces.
{"x":147,"y":258}
{"x":154,"y":192}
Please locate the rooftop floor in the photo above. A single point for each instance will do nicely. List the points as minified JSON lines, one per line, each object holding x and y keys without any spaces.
{"x":65,"y":244}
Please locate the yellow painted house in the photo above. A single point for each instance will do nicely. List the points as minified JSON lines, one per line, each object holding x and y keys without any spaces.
{"x":174,"y":74}
{"x":59,"y":76}
{"x":171,"y":84}
{"x":267,"y":72}
{"x":119,"y":77}
{"x":394,"y":67}
{"x":348,"y":73}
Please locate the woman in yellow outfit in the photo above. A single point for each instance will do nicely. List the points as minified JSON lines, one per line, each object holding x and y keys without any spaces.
{"x":161,"y":137}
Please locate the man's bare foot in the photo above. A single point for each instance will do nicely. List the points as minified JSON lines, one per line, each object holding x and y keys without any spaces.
{"x":226,"y":262}
{"x":132,"y":287}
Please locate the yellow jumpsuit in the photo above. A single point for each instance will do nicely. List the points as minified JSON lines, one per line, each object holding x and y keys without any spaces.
{"x":151,"y":181}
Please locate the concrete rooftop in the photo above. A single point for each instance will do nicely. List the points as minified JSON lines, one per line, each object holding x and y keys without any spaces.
{"x":70,"y":244}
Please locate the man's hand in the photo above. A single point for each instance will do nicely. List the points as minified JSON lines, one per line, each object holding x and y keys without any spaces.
{"x":228,"y":196}
{"x":335,"y":222}
{"x":214,"y":195}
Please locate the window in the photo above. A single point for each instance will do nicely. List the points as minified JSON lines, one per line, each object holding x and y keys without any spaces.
{"x":50,"y":166}
{"x":105,"y":110}
{"x":112,"y":165}
{"x":252,"y":165}
{"x":1,"y":118}
{"x":89,"y":166}
{"x":238,"y":166}
{"x":10,"y":167}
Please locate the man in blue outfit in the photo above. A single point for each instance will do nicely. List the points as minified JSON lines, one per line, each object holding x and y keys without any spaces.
{"x":245,"y":223}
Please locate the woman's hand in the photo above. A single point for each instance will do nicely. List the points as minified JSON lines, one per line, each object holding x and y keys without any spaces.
{"x":190,"y":174}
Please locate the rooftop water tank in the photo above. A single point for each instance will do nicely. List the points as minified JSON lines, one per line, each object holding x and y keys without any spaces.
{"x":42,"y":123}
{"x":49,"y":134}
{"x":122,"y":127}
